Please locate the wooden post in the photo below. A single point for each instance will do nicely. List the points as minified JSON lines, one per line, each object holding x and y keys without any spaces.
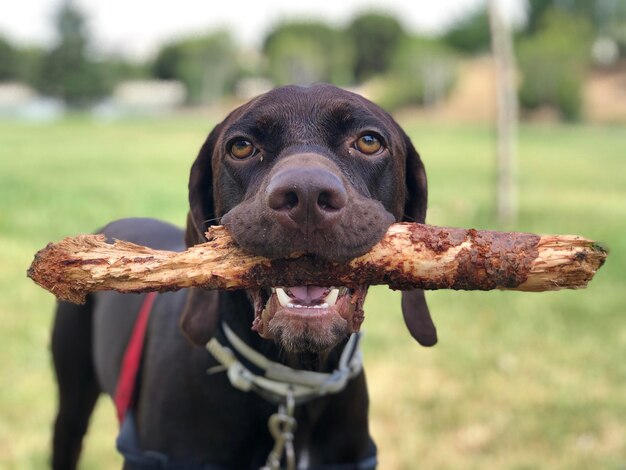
{"x":506,"y":121}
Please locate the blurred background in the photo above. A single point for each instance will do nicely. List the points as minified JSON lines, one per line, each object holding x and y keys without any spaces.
{"x":518,"y":108}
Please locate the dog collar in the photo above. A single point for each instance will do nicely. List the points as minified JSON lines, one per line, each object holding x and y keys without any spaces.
{"x":247,"y":369}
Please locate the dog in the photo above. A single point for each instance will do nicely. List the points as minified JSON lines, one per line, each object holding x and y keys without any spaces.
{"x":316,"y":170}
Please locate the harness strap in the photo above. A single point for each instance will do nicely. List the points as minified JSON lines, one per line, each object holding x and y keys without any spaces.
{"x":127,"y":380}
{"x":137,"y":459}
{"x":276,"y":382}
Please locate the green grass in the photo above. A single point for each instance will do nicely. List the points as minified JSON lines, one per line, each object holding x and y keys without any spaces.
{"x":517,"y":381}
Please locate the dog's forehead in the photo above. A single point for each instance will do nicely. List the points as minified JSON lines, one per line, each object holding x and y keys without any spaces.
{"x":298,"y":111}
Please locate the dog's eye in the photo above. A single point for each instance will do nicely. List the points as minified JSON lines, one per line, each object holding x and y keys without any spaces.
{"x":242,"y":149}
{"x":368,"y":144}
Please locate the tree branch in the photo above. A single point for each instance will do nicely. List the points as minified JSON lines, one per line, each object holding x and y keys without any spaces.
{"x":409,"y":256}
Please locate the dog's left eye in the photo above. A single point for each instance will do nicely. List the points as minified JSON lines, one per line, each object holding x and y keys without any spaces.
{"x":242,"y":149}
{"x":369,"y":144}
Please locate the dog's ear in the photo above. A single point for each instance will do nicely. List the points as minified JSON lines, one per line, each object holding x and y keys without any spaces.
{"x":200,"y":316}
{"x":201,"y":313}
{"x":202,"y":211}
{"x":414,"y":308}
{"x":416,"y":186}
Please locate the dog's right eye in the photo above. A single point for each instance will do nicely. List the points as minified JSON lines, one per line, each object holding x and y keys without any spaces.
{"x":368,"y":144}
{"x":242,"y":149}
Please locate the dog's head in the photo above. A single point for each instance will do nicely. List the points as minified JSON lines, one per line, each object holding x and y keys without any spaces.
{"x":316,"y":170}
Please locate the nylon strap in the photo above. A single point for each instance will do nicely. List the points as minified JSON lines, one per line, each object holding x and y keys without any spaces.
{"x":127,"y":380}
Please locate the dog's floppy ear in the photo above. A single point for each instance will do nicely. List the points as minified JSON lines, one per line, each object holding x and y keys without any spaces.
{"x":200,"y":316}
{"x":414,"y":308}
{"x":201,"y":197}
{"x":201,"y":313}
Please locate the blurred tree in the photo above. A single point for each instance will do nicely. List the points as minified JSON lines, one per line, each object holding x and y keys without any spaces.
{"x":207,"y":65}
{"x":376,"y":37}
{"x":470,"y":33}
{"x":308,"y":52}
{"x":122,"y":68}
{"x":537,"y":9}
{"x":67,"y":71}
{"x":115,"y":69}
{"x":168,"y":61}
{"x":599,"y":13}
{"x":30,"y":60}
{"x":615,"y":24}
{"x":9,"y":63}
{"x":422,"y":72}
{"x":553,"y":63}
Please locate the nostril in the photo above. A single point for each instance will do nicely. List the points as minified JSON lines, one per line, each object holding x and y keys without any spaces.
{"x":283,"y":199}
{"x":331,"y":201}
{"x":290,"y":201}
{"x":324,"y":202}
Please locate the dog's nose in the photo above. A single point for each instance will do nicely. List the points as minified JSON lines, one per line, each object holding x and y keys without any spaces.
{"x":306,"y":198}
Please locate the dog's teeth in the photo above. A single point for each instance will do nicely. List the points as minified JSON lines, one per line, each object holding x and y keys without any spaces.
{"x":290,"y":305}
{"x":331,"y":299}
{"x":324,"y":305}
{"x":283,"y":298}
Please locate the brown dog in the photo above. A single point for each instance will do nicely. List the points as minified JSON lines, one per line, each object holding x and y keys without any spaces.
{"x":317,"y":170}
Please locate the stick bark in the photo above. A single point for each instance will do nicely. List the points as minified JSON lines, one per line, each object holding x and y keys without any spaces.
{"x":409,"y":256}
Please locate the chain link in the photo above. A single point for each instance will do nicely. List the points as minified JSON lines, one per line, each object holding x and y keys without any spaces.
{"x":282,"y":425}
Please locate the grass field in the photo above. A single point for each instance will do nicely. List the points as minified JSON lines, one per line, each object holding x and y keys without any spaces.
{"x":517,"y":381}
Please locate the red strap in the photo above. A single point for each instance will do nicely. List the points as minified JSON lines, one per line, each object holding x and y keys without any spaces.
{"x":127,"y":380}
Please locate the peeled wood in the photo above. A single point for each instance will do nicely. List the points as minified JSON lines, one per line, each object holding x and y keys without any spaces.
{"x":409,"y":256}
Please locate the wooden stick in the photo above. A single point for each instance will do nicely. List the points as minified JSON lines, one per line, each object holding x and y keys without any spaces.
{"x":409,"y":256}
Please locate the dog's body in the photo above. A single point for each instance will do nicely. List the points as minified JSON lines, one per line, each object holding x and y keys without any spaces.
{"x":295,"y":170}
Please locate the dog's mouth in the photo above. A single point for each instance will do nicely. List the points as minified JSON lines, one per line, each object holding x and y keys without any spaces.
{"x":307,"y":318}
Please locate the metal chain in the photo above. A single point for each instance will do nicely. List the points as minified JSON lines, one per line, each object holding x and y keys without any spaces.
{"x":282,"y":425}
